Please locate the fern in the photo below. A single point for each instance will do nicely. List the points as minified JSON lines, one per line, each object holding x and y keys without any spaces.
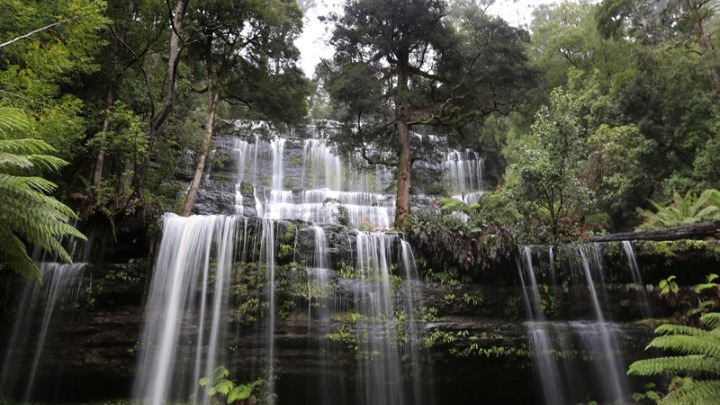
{"x":700,"y":359}
{"x":683,"y":210}
{"x":670,"y":366}
{"x":694,"y":392}
{"x":28,"y":214}
{"x":712,"y":320}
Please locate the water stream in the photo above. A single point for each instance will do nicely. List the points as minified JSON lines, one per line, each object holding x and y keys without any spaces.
{"x":201,"y":257}
{"x":42,"y":309}
{"x":563,"y":380}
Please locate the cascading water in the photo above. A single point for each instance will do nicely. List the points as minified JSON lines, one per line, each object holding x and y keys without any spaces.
{"x":602,"y":336}
{"x":379,"y":364}
{"x":321,"y":307}
{"x":464,"y":174}
{"x":564,"y":381}
{"x":637,"y":278}
{"x":539,"y":332}
{"x":195,"y":290}
{"x":50,"y":303}
{"x":186,"y":313}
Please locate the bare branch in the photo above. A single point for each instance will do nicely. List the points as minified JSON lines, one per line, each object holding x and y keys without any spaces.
{"x":45,"y":28}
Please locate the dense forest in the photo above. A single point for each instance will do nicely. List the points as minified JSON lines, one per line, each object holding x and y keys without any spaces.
{"x":596,"y":118}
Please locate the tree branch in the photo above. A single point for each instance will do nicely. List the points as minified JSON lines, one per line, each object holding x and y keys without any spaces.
{"x":45,"y":28}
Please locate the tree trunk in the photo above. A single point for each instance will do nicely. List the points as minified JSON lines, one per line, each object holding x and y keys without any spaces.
{"x":706,"y":46}
{"x":402,"y":203}
{"x":100,"y":159}
{"x":700,"y":230}
{"x":161,"y":116}
{"x":213,"y":99}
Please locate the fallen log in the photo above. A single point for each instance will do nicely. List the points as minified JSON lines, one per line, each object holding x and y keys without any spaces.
{"x":700,"y":230}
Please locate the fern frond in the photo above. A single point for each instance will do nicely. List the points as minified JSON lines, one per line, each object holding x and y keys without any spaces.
{"x":708,"y":345}
{"x":26,"y":183}
{"x":713,"y":196}
{"x":692,"y":365}
{"x":10,"y":161}
{"x":47,"y":162}
{"x":695,"y":393}
{"x":26,"y":146}
{"x":673,"y":329}
{"x":14,"y":252}
{"x":12,"y":120}
{"x":27,"y":213}
{"x":711,"y":320}
{"x":709,"y":213}
{"x":453,"y":205}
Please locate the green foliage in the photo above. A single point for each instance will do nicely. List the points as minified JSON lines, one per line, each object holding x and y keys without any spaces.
{"x":683,"y":210}
{"x":699,"y":358}
{"x":465,"y":344}
{"x":28,"y":215}
{"x":225,"y":391}
{"x":711,"y":284}
{"x":613,"y":170}
{"x":428,"y":314}
{"x":35,"y":69}
{"x":346,"y":335}
{"x":473,"y":299}
{"x":342,"y":215}
{"x":471,"y":245}
{"x":400,"y":65}
{"x":546,"y":169}
{"x":668,"y":286}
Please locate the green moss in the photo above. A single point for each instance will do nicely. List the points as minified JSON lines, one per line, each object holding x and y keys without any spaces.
{"x":346,"y":335}
{"x":247,"y":188}
{"x":671,"y":249}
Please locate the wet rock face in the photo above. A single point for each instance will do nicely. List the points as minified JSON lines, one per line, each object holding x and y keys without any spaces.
{"x":216,"y":197}
{"x":475,"y":331}
{"x":477,"y":341}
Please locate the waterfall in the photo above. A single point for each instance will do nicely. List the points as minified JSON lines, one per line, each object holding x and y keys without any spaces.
{"x":603,"y":337}
{"x":321,"y":167}
{"x":197,"y":287}
{"x":321,"y":307}
{"x":414,"y":331}
{"x":463,"y":170}
{"x":187,"y":312}
{"x":637,"y":278}
{"x":539,"y":331}
{"x":187,"y":306}
{"x":566,"y":381}
{"x":50,"y":303}
{"x":379,"y":363}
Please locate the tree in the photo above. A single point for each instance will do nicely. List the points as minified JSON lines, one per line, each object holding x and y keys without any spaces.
{"x":28,"y":215}
{"x":677,"y":22}
{"x":403,"y":64}
{"x":158,"y":118}
{"x":249,"y":58}
{"x":544,"y":170}
{"x":36,"y":70}
{"x":565,"y":36}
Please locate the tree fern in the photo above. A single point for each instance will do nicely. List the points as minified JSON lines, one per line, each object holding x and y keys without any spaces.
{"x":700,"y":359}
{"x":694,"y":392}
{"x":28,"y":214}
{"x":683,"y":210}
{"x":712,"y":320}
{"x":671,"y":366}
